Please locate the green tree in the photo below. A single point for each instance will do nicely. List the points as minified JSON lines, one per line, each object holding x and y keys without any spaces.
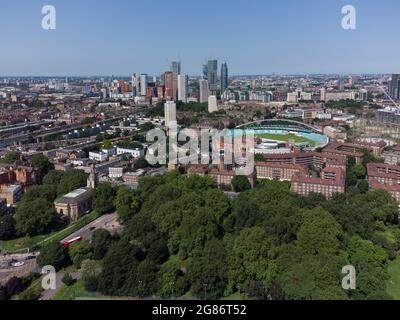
{"x":363,"y":186}
{"x":90,"y":272}
{"x":147,"y":278}
{"x":359,"y":171}
{"x":53,"y":254}
{"x":80,"y":251}
{"x":104,"y":197}
{"x":71,"y":180}
{"x":42,"y":163}
{"x":172,"y":280}
{"x":10,"y":157}
{"x":240,"y":183}
{"x":7,"y":227}
{"x":68,"y":280}
{"x":351,"y":178}
{"x":319,"y":232}
{"x":119,"y":272}
{"x":35,"y":217}
{"x":248,"y":258}
{"x":147,"y":126}
{"x":141,"y":163}
{"x":208,"y":271}
{"x":46,"y":192}
{"x":53,"y":178}
{"x":101,"y":241}
{"x":127,"y":203}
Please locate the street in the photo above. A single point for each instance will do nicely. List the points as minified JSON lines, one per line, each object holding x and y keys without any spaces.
{"x":7,"y":271}
{"x":108,"y":222}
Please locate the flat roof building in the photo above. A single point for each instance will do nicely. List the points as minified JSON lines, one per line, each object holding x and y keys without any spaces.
{"x":74,"y":204}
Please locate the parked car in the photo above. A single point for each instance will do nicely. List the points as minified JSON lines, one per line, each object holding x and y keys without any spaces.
{"x":17,"y":264}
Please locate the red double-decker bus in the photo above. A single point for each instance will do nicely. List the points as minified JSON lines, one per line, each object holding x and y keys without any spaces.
{"x":73,"y":240}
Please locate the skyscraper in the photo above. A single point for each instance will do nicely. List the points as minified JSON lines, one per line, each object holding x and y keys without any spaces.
{"x":169,"y":85}
{"x":204,"y":92}
{"x":176,"y":69}
{"x":182,"y":87}
{"x":143,"y":84}
{"x":212,"y":74}
{"x":205,"y":71}
{"x":224,"y":77}
{"x":134,"y":85}
{"x":170,"y":113}
{"x":394,"y":86}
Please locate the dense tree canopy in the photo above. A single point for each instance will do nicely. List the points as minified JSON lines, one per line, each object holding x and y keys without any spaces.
{"x":35,"y":217}
{"x":42,"y":163}
{"x":240,"y":183}
{"x":103,"y":198}
{"x":183,"y":236}
{"x":53,"y":254}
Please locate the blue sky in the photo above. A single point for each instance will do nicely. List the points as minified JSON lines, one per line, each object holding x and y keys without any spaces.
{"x":120,"y":37}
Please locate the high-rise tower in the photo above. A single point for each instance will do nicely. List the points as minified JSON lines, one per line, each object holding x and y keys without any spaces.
{"x":224,"y":77}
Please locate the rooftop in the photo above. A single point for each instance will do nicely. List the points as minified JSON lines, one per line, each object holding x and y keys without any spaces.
{"x":75,"y":193}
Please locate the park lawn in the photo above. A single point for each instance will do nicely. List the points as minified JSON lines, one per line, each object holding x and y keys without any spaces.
{"x":25,"y":243}
{"x":393,"y":283}
{"x":74,"y":292}
{"x":285,"y":137}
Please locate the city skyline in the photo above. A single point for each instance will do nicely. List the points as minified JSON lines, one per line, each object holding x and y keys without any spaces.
{"x":283,"y":38}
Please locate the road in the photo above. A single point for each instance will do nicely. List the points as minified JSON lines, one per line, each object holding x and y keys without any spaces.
{"x":108,"y":222}
{"x":7,"y":271}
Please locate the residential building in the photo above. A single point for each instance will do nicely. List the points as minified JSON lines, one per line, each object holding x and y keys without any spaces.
{"x":135,"y":153}
{"x":383,"y":173}
{"x":170,"y":113}
{"x":212,"y":104}
{"x":277,"y":171}
{"x":204,"y":91}
{"x":223,"y":177}
{"x":182,"y":87}
{"x":332,"y":181}
{"x":170,"y":93}
{"x":98,"y":156}
{"x":394,"y":86}
{"x":392,"y":156}
{"x":116,"y":172}
{"x":143,"y":84}
{"x":12,"y":193}
{"x":133,"y":177}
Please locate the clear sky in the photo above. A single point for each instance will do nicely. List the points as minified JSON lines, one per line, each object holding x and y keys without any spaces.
{"x":119,"y":37}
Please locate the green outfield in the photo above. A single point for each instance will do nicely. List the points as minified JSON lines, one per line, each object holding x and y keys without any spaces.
{"x":285,"y":137}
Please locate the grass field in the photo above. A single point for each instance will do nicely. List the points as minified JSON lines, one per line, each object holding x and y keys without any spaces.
{"x":393,"y":284}
{"x":285,"y":137}
{"x":23,"y":244}
{"x":76,"y":291}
